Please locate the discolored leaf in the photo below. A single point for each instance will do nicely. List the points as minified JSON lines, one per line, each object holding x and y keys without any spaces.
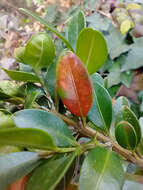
{"x":98,"y":113}
{"x":19,"y":184}
{"x":22,"y":76}
{"x":75,"y":25}
{"x":53,"y":125}
{"x":16,"y":165}
{"x":101,"y":169}
{"x":28,"y":137}
{"x":126,"y":135}
{"x":74,"y":85}
{"x":49,"y":174}
{"x":95,"y":54}
{"x":125,"y":114}
{"x":39,"y":51}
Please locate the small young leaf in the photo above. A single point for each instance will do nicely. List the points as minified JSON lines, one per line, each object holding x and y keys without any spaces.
{"x":30,"y":99}
{"x":28,"y":137}
{"x":74,"y":85}
{"x":125,"y":114}
{"x":16,"y":165}
{"x":47,"y":25}
{"x":22,"y":76}
{"x":95,"y":53}
{"x":39,"y":51}
{"x":53,"y":125}
{"x":101,"y":169}
{"x":49,"y":174}
{"x":75,"y":25}
{"x":101,"y":111}
{"x":126,"y":135}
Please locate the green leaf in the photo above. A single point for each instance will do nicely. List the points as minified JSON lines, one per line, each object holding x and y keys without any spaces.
{"x":134,"y":57}
{"x":50,"y":79}
{"x":49,"y":174}
{"x":100,"y":113}
{"x":97,"y":78}
{"x":19,"y":54}
{"x":95,"y":55}
{"x":22,"y":76}
{"x":98,"y":21}
{"x":16,"y":165}
{"x":28,"y":137}
{"x":119,"y":45}
{"x":39,"y":51}
{"x":126,"y":135}
{"x":6,"y":121}
{"x":45,"y":121}
{"x":101,"y":169}
{"x":47,"y":25}
{"x":75,"y":25}
{"x":9,"y":89}
{"x":30,"y":99}
{"x":121,"y":101}
{"x":125,"y":114}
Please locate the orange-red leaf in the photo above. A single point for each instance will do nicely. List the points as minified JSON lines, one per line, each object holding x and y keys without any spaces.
{"x":19,"y":184}
{"x":74,"y":85}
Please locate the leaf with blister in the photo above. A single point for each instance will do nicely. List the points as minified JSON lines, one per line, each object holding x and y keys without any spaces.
{"x":102,"y":169}
{"x":16,"y":165}
{"x":49,"y":174}
{"x":100,"y":113}
{"x":125,"y":114}
{"x":73,"y":84}
{"x":39,"y":51}
{"x":48,"y":122}
{"x":126,"y":135}
{"x":91,"y":48}
{"x":28,"y":137}
{"x":75,"y":25}
{"x":22,"y":76}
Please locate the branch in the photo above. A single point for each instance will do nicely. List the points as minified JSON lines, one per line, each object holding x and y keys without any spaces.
{"x":89,"y":132}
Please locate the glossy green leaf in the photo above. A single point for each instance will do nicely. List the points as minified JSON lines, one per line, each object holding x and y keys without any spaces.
{"x":28,"y":137}
{"x":95,"y":53}
{"x":47,"y":25}
{"x":102,"y":169}
{"x":34,"y":118}
{"x":50,"y":79}
{"x":100,"y":113}
{"x":49,"y":174}
{"x":75,"y":25}
{"x":22,"y":76}
{"x":16,"y":165}
{"x":121,"y":101}
{"x":126,"y":135}
{"x":39,"y":51}
{"x":73,"y":84}
{"x":125,"y":114}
